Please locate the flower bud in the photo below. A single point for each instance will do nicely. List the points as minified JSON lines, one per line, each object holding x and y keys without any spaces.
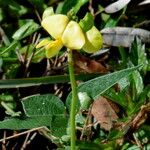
{"x":93,"y":40}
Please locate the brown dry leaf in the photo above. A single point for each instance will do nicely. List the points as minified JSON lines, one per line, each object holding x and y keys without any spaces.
{"x":134,"y":122}
{"x":104,"y":113}
{"x":86,"y":65}
{"x":141,"y":116}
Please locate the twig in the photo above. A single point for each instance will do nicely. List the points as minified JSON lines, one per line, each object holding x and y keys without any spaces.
{"x":20,"y":57}
{"x":22,"y":133}
{"x":24,"y":143}
{"x":4,"y":142}
{"x":90,"y":7}
{"x":38,"y":16}
{"x":86,"y":125}
{"x":31,"y":138}
{"x":4,"y":37}
{"x":137,"y":141}
{"x":31,"y":56}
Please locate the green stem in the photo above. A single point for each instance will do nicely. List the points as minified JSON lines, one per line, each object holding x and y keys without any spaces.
{"x":123,"y":54}
{"x":74,"y":99}
{"x":7,"y":107}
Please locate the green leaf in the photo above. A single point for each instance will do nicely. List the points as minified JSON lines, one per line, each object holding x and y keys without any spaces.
{"x":95,"y":87}
{"x":47,"y":104}
{"x":40,"y":110}
{"x":87,"y":22}
{"x":137,"y":80}
{"x":11,"y":47}
{"x":13,"y":8}
{"x":59,"y":125}
{"x":26,"y":30}
{"x":73,"y":4}
{"x":26,"y":123}
{"x":26,"y":82}
{"x":1,"y":14}
{"x":138,"y":54}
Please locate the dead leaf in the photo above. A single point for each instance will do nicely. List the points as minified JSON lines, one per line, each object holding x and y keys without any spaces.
{"x":124,"y":36}
{"x":134,"y":122}
{"x":141,"y":116}
{"x":104,"y":113}
{"x":86,"y":65}
{"x":116,"y":6}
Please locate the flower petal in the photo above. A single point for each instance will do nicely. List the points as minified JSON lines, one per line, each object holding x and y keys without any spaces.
{"x":53,"y":48}
{"x":93,"y":40}
{"x":48,"y":12}
{"x":73,"y":36}
{"x":43,"y":43}
{"x":55,"y":25}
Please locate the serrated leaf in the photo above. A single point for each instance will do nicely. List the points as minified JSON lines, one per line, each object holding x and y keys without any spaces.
{"x":26,"y":30}
{"x":95,"y":87}
{"x":137,"y":80}
{"x":138,"y":54}
{"x":124,"y":36}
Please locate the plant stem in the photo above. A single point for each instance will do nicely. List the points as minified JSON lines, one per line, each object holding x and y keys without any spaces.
{"x":74,"y":99}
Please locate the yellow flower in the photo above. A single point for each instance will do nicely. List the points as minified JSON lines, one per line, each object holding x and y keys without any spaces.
{"x":65,"y":33}
{"x":69,"y":34}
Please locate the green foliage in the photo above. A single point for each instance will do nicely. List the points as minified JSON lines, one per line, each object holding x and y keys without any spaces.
{"x":87,"y":22}
{"x":27,"y":77}
{"x":40,"y":110}
{"x":99,"y":85}
{"x":74,"y":5}
{"x":26,"y":30}
{"x":27,"y":82}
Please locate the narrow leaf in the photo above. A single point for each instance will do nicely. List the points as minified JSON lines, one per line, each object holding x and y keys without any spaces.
{"x":26,"y":30}
{"x":27,"y":82}
{"x":116,"y":6}
{"x":95,"y":87}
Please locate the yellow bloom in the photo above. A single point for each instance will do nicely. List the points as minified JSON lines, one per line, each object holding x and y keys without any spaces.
{"x":69,"y":34}
{"x":73,"y":37}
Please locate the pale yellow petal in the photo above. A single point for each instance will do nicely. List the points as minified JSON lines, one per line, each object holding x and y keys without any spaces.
{"x":93,"y":40}
{"x":55,"y":25}
{"x":43,"y":43}
{"x":48,"y":12}
{"x":53,"y":48}
{"x":73,"y":37}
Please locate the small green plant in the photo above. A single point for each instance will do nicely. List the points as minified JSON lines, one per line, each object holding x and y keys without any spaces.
{"x":69,"y":34}
{"x":51,"y":59}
